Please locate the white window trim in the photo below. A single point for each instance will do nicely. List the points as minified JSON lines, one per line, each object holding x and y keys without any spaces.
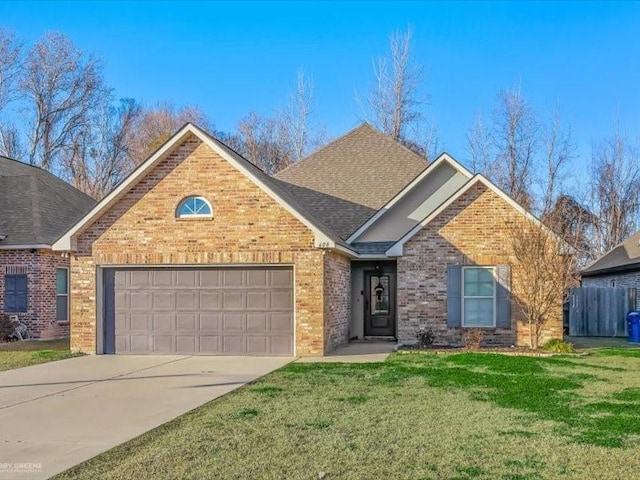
{"x":494,"y":296}
{"x":194,"y":215}
{"x":63,"y":294}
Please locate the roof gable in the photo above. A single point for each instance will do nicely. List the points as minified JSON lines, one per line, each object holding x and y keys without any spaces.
{"x":417,"y":187}
{"x":364,"y":167}
{"x":397,"y":249}
{"x":324,"y":236}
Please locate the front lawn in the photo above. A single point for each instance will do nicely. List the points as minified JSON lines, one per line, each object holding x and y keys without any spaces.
{"x":415,"y":416}
{"x":32,"y":352}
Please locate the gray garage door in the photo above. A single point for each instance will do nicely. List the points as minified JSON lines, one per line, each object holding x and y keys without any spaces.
{"x":220,"y":311}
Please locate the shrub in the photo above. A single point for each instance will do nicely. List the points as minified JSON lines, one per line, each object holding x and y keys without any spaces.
{"x":6,"y":327}
{"x":425,"y":337}
{"x":472,"y":338}
{"x":558,"y":346}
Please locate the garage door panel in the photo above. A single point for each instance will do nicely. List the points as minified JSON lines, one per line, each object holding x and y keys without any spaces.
{"x":162,"y":322}
{"x":163,"y":278}
{"x":224,"y":310}
{"x":162,"y":343}
{"x":232,"y":321}
{"x":209,"y":344}
{"x":257,"y":300}
{"x":140,"y":300}
{"x":281,"y":300}
{"x":232,"y":278}
{"x":281,"y":278}
{"x":162,"y":301}
{"x":140,"y":321}
{"x":139,"y":343}
{"x":281,"y":322}
{"x":257,"y":322}
{"x":187,"y":301}
{"x":280,"y":345}
{"x":139,"y":278}
{"x":186,"y":343}
{"x":210,"y":301}
{"x":186,"y":321}
{"x":233,"y":344}
{"x":257,"y":278}
{"x":186,"y":278}
{"x":257,"y":344}
{"x":209,"y":322}
{"x":210,"y":278}
{"x":233,"y":300}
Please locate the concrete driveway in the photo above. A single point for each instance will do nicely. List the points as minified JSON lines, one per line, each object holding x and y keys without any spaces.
{"x":58,"y":414}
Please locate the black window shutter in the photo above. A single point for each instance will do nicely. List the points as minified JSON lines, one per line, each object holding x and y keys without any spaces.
{"x":15,"y":293}
{"x":454,"y":296}
{"x":503,"y":298}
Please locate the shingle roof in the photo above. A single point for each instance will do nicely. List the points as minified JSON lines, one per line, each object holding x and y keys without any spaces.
{"x":36,"y":207}
{"x":625,"y":256}
{"x":363,"y":167}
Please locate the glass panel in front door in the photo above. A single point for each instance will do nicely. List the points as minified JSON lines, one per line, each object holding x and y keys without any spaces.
{"x":379,"y":295}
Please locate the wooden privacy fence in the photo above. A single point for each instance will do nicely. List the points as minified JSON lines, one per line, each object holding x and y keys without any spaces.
{"x":600,"y":312}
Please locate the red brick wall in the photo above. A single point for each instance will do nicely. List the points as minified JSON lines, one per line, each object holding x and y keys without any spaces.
{"x":248,"y":227}
{"x":473,"y":230}
{"x":337,"y":297}
{"x":40,"y":317}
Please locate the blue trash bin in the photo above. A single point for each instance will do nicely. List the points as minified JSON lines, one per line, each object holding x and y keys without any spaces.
{"x":633,"y":322}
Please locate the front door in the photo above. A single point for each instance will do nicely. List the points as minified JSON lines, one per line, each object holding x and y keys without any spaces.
{"x":379,"y":304}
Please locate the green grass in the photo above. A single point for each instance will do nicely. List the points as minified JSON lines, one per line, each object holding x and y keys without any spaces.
{"x":32,"y":352}
{"x":415,"y":416}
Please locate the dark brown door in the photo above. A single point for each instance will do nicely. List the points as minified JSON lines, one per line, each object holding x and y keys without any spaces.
{"x":220,"y":311}
{"x":379,"y":304}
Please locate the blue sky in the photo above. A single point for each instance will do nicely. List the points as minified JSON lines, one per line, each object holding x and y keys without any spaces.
{"x":231,"y":58}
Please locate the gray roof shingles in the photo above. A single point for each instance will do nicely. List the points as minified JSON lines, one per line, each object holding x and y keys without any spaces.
{"x":624,"y":256}
{"x":36,"y":207}
{"x":364,"y":167}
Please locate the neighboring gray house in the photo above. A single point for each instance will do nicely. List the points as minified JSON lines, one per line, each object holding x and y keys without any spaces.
{"x":36,"y":208}
{"x":620,"y":267}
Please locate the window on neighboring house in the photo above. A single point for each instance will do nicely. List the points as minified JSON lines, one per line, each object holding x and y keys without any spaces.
{"x":62,"y":294}
{"x":192,"y":207}
{"x":15,"y":293}
{"x":612,"y":283}
{"x":478,"y":297}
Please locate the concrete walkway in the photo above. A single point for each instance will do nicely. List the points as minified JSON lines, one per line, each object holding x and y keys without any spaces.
{"x":359,"y":351}
{"x":58,"y":414}
{"x":598,"y":342}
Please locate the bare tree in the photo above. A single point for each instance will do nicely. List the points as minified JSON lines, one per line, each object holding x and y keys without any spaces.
{"x":155,"y":125}
{"x":479,"y":143}
{"x":296,"y":117}
{"x":62,"y":87}
{"x":10,"y":59}
{"x":545,"y":266}
{"x":515,"y":136}
{"x":615,"y":191}
{"x":265,"y":142}
{"x":10,"y":62}
{"x":101,"y":156}
{"x":394,"y":103}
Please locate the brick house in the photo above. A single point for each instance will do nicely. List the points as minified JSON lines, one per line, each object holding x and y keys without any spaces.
{"x":36,"y":208}
{"x":199,"y":251}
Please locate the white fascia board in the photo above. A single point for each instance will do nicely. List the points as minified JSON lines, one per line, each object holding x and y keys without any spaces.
{"x":67,"y":242}
{"x":397,"y":249}
{"x":444,"y":157}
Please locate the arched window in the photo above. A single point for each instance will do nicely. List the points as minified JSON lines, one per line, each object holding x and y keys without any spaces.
{"x":194,"y":207}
